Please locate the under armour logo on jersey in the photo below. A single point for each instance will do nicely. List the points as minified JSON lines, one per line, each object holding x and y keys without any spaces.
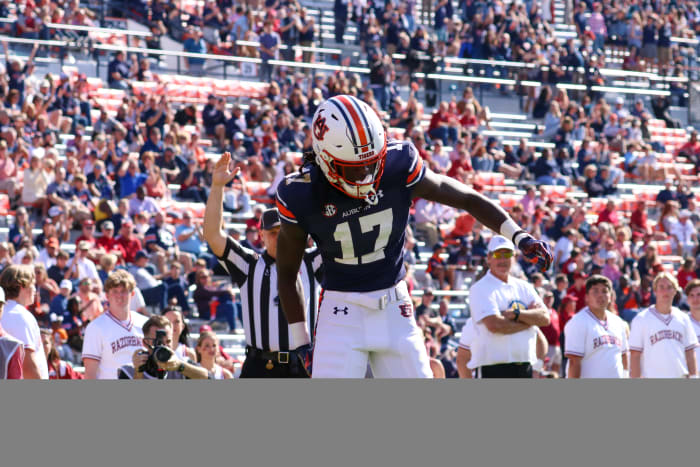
{"x":406,"y":310}
{"x":329,"y":210}
{"x":320,"y":128}
{"x":337,"y":310}
{"x":373,"y":197}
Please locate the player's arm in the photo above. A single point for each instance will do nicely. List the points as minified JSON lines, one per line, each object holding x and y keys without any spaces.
{"x":463,"y":357}
{"x":291,"y":244}
{"x":635,"y":364}
{"x":90,"y":368}
{"x":213,"y":214}
{"x":574,"y":366}
{"x":30,"y":366}
{"x":448,"y":191}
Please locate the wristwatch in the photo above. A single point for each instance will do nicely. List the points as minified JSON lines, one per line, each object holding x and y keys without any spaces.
{"x":181,"y":368}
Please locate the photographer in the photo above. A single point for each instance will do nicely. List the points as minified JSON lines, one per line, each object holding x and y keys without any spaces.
{"x":157,"y":360}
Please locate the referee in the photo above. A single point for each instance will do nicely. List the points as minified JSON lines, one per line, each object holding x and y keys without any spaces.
{"x":270,"y":349}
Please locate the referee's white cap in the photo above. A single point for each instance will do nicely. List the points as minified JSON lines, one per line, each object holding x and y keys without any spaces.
{"x":499,"y":242}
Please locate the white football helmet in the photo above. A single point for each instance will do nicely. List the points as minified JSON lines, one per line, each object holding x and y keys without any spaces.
{"x":349,"y":142}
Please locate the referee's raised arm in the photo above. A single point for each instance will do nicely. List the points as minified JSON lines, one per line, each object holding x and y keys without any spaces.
{"x":213,"y":214}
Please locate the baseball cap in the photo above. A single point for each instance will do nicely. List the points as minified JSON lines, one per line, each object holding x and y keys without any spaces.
{"x":211,"y":96}
{"x":205,"y":328}
{"x":66,"y":284}
{"x":47,"y":221}
{"x":611,"y":255}
{"x":84,"y":245}
{"x":620,"y":100}
{"x":239,"y":136}
{"x":438,"y":246}
{"x":427,"y":291}
{"x":270,"y":219}
{"x":55,"y":211}
{"x":107,"y":225}
{"x":140,"y":254}
{"x":684,"y":213}
{"x":2,"y":295}
{"x":127,"y":223}
{"x":499,"y":242}
{"x":88,"y":223}
{"x":53,"y":241}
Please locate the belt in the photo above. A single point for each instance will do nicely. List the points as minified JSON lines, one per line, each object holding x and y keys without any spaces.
{"x":277,"y":356}
{"x":368,"y":300}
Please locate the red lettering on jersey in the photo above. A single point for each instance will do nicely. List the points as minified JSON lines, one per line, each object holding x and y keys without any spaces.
{"x":406,"y":310}
{"x":320,"y":128}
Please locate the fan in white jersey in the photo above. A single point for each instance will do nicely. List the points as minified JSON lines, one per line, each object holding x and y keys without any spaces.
{"x":595,"y":338}
{"x":112,"y":338}
{"x":692,"y":292}
{"x":466,"y":360}
{"x":662,"y":339}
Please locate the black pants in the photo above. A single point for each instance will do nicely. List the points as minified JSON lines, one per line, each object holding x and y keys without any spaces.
{"x":505,"y":370}
{"x":254,"y":367}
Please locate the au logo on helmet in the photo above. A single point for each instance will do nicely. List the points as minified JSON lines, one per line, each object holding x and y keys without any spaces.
{"x":320,"y":128}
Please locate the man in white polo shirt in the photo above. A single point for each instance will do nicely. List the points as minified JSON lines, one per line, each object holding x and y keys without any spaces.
{"x":19,"y":284}
{"x":506,"y":313}
{"x":595,"y":338}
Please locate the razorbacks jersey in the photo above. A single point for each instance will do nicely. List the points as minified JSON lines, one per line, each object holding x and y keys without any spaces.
{"x":600,"y":344}
{"x":663,"y":340}
{"x":361,"y":244}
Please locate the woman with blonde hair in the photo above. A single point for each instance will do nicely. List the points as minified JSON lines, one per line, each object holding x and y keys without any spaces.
{"x":207,"y":352}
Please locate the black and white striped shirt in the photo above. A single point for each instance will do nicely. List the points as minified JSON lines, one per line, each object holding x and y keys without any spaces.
{"x":265,"y":325}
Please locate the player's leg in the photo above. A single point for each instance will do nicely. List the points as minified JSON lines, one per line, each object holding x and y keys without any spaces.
{"x":338,"y":341}
{"x":404,"y":355}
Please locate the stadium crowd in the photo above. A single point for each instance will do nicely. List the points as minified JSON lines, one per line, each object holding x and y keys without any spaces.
{"x":126,"y":190}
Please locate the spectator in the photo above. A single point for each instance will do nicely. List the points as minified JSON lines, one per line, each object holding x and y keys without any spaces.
{"x":11,"y":350}
{"x":664,"y":335}
{"x":57,"y":368}
{"x":597,"y":347}
{"x":195,"y":44}
{"x":109,"y":343}
{"x":18,"y":284}
{"x":269,"y":44}
{"x":58,"y":270}
{"x":160,"y":241}
{"x":207,"y":355}
{"x":108,"y":244}
{"x":507,"y":334}
{"x":213,"y":301}
{"x":119,"y":71}
{"x":174,"y":368}
{"x":81,"y":266}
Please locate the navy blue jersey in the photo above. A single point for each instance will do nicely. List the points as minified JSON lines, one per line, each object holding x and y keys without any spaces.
{"x":361,"y":244}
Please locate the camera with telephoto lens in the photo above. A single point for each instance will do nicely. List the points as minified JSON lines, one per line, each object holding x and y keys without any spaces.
{"x":160,"y":353}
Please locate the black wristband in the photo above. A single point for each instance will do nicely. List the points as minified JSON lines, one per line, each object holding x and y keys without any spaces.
{"x":516,"y":311}
{"x":181,"y":368}
{"x":521,"y":231}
